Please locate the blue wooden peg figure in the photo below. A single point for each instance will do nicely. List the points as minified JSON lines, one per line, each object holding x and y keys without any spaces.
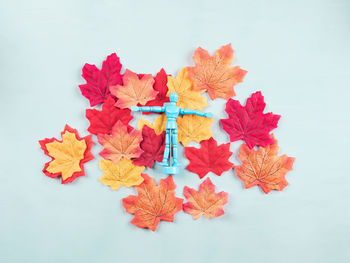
{"x":172,"y":112}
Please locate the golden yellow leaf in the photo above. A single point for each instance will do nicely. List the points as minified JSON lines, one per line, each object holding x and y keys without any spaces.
{"x":188,"y":98}
{"x":67,"y":155}
{"x":124,"y":173}
{"x":194,"y":128}
{"x":158,"y":126}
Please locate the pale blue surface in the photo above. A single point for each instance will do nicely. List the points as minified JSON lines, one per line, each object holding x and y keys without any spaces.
{"x":296,"y":52}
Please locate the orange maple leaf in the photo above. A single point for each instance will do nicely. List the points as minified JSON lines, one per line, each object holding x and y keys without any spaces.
{"x":153,"y":203}
{"x":121,"y":143}
{"x":204,"y":201}
{"x":263,"y":167}
{"x":135,"y":91}
{"x":214,"y":73}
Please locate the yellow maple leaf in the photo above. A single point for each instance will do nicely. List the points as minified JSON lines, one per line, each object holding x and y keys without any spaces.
{"x":158,"y":126}
{"x":193,"y":128}
{"x":188,"y":98}
{"x":124,"y":173}
{"x":67,"y":155}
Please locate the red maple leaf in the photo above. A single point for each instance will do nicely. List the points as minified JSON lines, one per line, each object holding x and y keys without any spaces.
{"x":98,"y":81}
{"x":248,"y":122}
{"x":153,"y":203}
{"x":209,"y":158}
{"x":160,"y":85}
{"x":153,"y":147}
{"x":102,"y":122}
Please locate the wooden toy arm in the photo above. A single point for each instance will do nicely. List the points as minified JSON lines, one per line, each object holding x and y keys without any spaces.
{"x":196,"y":112}
{"x":148,"y":109}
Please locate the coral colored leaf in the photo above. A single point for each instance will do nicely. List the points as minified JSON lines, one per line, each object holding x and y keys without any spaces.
{"x":158,"y":126}
{"x":121,"y":143}
{"x":188,"y":98}
{"x":263,"y":167}
{"x":153,"y":147}
{"x":204,"y":201}
{"x":160,"y":85}
{"x":214,"y":73}
{"x":209,"y":158}
{"x":98,"y":81}
{"x":103,"y":121}
{"x":193,"y":128}
{"x":248,"y":122}
{"x":68,"y":156}
{"x":153,"y":203}
{"x":134,"y":91}
{"x":124,"y":173}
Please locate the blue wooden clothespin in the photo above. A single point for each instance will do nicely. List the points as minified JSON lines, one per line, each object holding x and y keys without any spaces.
{"x":172,"y":112}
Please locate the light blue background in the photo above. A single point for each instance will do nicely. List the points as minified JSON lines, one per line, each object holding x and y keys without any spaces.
{"x":296,"y":52}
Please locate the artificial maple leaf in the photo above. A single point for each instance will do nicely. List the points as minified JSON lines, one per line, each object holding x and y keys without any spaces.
{"x":160,"y":85}
{"x":124,"y":173}
{"x":263,"y":167}
{"x":188,"y":98}
{"x":103,"y":121}
{"x":98,"y":81}
{"x":204,"y":201}
{"x":122,"y":143}
{"x":153,"y":203}
{"x":158,"y":126}
{"x":153,"y":147}
{"x":193,"y":128}
{"x":214,"y":73}
{"x":249,"y":122}
{"x":135,"y":91}
{"x":209,"y":158}
{"x":68,"y":156}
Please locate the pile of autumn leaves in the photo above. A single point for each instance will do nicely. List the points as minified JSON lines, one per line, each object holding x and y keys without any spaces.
{"x":128,"y":151}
